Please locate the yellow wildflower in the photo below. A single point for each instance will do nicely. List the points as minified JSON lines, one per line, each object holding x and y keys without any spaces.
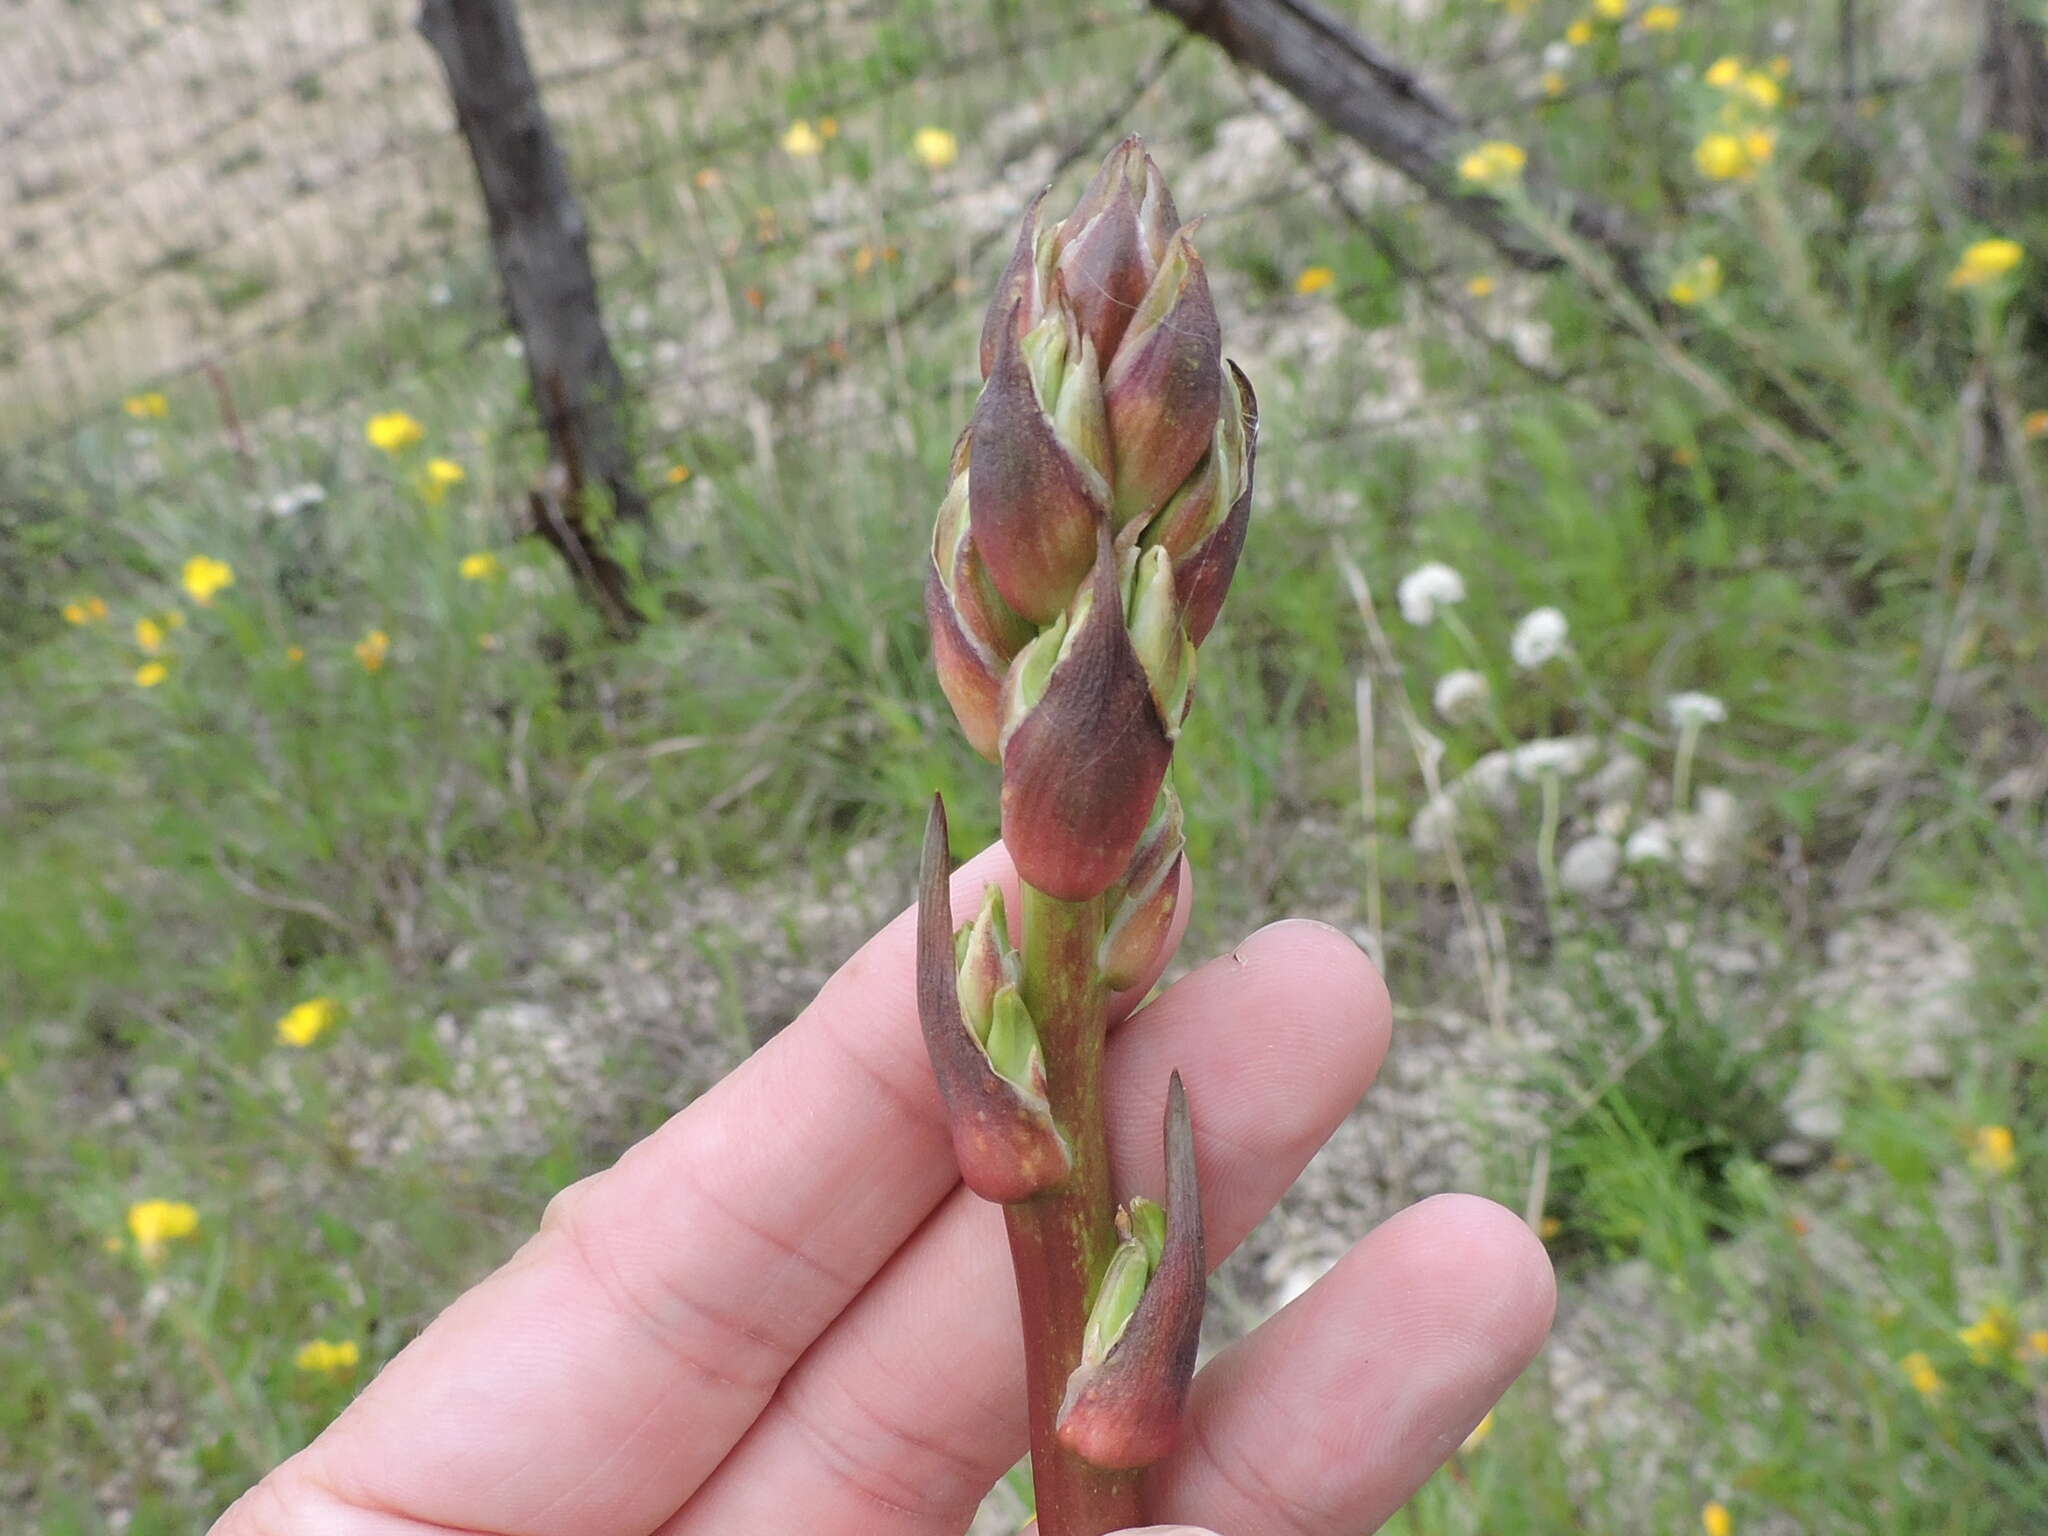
{"x":1579,"y":33}
{"x":707,"y":178}
{"x":1479,"y":287}
{"x":148,"y":406}
{"x":678,"y":473}
{"x":1550,"y":1229}
{"x":1553,"y":83}
{"x":150,"y":673}
{"x":1493,"y":164}
{"x":328,"y":1357}
{"x":2037,"y":1344}
{"x":1724,"y":73}
{"x":1762,"y":89}
{"x":1611,"y":10}
{"x":204,"y":576}
{"x":480,"y":566}
{"x":828,"y":127}
{"x":1715,"y":1519}
{"x":1985,"y":262}
{"x":1696,"y":282}
{"x":1479,"y":1433}
{"x":801,"y":140}
{"x":1315,"y":280}
{"x":445,"y":472}
{"x":1660,"y":18}
{"x":2034,"y":425}
{"x":935,"y":148}
{"x":372,"y":649}
{"x":1992,"y":1337}
{"x":1759,"y":144}
{"x":153,"y":1223}
{"x":1723,"y":157}
{"x":1991,"y":1150}
{"x":149,"y":636}
{"x":1921,"y":1373}
{"x":1780,"y":66}
{"x":85,"y":610}
{"x":303,"y":1023}
{"x":295,"y":654}
{"x":393,"y":431}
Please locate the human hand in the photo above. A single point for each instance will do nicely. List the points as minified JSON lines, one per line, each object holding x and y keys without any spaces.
{"x":781,"y":1312}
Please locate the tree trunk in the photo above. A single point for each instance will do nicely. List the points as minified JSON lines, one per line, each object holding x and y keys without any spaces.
{"x":1373,"y":100}
{"x":2004,"y":170}
{"x":541,"y":245}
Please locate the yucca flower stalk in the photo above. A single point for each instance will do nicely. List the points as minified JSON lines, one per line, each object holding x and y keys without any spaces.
{"x":1096,"y":508}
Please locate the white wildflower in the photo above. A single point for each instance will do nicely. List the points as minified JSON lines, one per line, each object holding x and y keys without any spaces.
{"x":1649,"y":844}
{"x":1564,"y":756}
{"x":1426,"y":588}
{"x":1711,"y":838}
{"x":1461,"y":696}
{"x":295,"y":499}
{"x":1539,"y":638}
{"x":1695,"y":710}
{"x":1490,"y":782}
{"x":1589,"y":865}
{"x":1434,"y":825}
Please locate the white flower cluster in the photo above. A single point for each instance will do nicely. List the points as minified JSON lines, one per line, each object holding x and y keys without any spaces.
{"x":1427,"y":588}
{"x":1541,"y":637}
{"x":1460,"y":697}
{"x":1695,"y":710}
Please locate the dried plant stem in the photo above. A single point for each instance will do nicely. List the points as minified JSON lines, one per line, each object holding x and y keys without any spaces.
{"x":1061,"y":1242}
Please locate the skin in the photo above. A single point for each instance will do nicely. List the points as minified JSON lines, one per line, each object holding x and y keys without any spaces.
{"x":781,"y":1312}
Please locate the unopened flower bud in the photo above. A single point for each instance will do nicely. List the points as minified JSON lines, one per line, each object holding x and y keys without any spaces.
{"x":1202,"y":528}
{"x":1123,"y":1409}
{"x":1072,"y":833}
{"x":1004,"y":1137}
{"x":1020,"y":291}
{"x":1034,"y":500}
{"x":1164,"y":385}
{"x":986,"y":962}
{"x":1156,"y":634}
{"x":1012,"y":1043}
{"x":1141,"y":905}
{"x":974,"y":632}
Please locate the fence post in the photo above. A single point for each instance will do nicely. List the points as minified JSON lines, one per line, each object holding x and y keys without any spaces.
{"x":541,"y":245}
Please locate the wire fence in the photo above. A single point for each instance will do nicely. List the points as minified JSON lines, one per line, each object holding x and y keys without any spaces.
{"x":266,"y":211}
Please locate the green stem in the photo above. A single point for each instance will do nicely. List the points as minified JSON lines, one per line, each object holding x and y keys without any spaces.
{"x":1060,"y":1243}
{"x":1546,"y":841}
{"x":1681,"y":772}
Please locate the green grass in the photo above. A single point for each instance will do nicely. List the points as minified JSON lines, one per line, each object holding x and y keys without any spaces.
{"x":513,"y":810}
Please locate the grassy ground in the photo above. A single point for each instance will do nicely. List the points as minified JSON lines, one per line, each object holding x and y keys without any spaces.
{"x":1775,"y":1098}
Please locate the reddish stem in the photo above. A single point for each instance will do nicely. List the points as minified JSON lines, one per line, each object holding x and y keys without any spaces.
{"x":1061,"y":1241}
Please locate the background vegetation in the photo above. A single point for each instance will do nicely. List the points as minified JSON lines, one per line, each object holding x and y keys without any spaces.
{"x":353,"y":905}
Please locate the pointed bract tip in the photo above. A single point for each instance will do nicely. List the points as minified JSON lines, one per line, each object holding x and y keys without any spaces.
{"x":1004,"y":1137}
{"x":1125,"y":1411}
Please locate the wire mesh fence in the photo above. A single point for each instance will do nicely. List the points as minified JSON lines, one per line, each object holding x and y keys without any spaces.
{"x":266,"y":211}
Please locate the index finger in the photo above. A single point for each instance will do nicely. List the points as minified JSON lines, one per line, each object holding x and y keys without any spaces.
{"x":593,"y":1382}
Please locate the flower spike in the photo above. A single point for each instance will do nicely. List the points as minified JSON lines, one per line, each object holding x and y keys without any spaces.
{"x":1003,"y":1133}
{"x":1123,"y":1406}
{"x":1092,"y":520}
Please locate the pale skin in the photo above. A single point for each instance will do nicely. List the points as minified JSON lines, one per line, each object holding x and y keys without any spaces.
{"x":781,"y":1312}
